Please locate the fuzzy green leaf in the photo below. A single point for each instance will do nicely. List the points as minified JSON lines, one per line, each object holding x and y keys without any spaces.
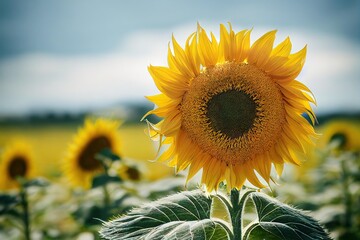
{"x":203,"y":229}
{"x":278,"y":221}
{"x":185,"y":215}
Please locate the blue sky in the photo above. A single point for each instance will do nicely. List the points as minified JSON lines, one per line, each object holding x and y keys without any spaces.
{"x":79,"y":55}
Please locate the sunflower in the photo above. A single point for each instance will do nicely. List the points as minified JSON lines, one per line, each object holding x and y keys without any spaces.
{"x":16,"y":161}
{"x":342,"y":134}
{"x":232,"y":109}
{"x":80,"y":164}
{"x":129,"y":172}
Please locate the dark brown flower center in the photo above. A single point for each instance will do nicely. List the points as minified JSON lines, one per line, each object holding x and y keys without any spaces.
{"x":87,"y":160}
{"x":232,"y":112}
{"x":340,"y":139}
{"x":133,"y":173}
{"x":17,"y":167}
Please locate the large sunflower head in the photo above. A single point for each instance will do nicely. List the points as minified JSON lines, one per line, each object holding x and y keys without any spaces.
{"x":80,"y":164}
{"x":16,"y":161}
{"x":231,"y":108}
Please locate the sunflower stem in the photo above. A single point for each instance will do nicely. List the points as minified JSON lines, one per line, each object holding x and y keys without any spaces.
{"x":106,"y":196}
{"x":346,"y":195}
{"x":235,"y":213}
{"x":25,"y":215}
{"x":103,"y":161}
{"x":104,"y":186}
{"x":236,"y":209}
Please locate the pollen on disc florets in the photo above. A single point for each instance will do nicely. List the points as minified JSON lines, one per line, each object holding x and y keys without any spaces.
{"x":234,"y":111}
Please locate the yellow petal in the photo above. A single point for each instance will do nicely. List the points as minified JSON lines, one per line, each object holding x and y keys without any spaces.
{"x":192,"y":54}
{"x":181,"y":60}
{"x":263,"y":166}
{"x":171,"y":124}
{"x":253,"y":179}
{"x":260,"y":51}
{"x":197,"y":164}
{"x":207,"y":49}
{"x":279,"y":167}
{"x":242,"y":45}
{"x":159,"y":99}
{"x":169,"y":153}
{"x":169,"y":82}
{"x":283,"y":49}
{"x":292,"y":68}
{"x":223,"y":44}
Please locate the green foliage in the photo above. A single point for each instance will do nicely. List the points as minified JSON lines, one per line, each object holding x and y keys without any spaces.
{"x":185,"y":215}
{"x":103,"y":179}
{"x":188,"y":215}
{"x":163,"y":187}
{"x":106,"y":153}
{"x":8,"y":202}
{"x":331,"y":192}
{"x":36,"y":182}
{"x":90,"y":213}
{"x":279,"y":221}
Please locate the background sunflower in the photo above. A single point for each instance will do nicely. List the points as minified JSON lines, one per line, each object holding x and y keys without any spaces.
{"x":16,"y":161}
{"x":129,"y":172}
{"x":80,"y":164}
{"x":342,"y":134}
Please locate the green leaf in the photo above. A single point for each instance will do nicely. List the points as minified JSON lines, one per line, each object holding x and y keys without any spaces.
{"x":36,"y":182}
{"x":219,"y":209}
{"x":203,"y":229}
{"x":119,"y":201}
{"x":108,"y":154}
{"x":8,"y":203}
{"x":103,"y":179}
{"x":280,"y":221}
{"x":90,"y":214}
{"x":185,"y":215}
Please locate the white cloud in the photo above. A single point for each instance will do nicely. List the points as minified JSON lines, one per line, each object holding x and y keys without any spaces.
{"x":332,"y":70}
{"x":43,"y":81}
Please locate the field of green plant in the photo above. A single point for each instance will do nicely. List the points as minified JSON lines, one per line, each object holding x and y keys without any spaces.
{"x":327,"y":184}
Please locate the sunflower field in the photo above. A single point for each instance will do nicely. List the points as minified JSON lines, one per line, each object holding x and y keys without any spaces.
{"x":231,"y":150}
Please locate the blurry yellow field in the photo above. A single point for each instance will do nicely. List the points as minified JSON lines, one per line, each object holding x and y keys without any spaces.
{"x":50,"y":142}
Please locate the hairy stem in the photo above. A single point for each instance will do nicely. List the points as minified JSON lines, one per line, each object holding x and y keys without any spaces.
{"x":25,"y":216}
{"x":236,"y":209}
{"x":235,"y":213}
{"x":347,"y":196}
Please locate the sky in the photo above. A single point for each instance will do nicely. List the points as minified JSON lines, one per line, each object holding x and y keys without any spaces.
{"x":72,"y":55}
